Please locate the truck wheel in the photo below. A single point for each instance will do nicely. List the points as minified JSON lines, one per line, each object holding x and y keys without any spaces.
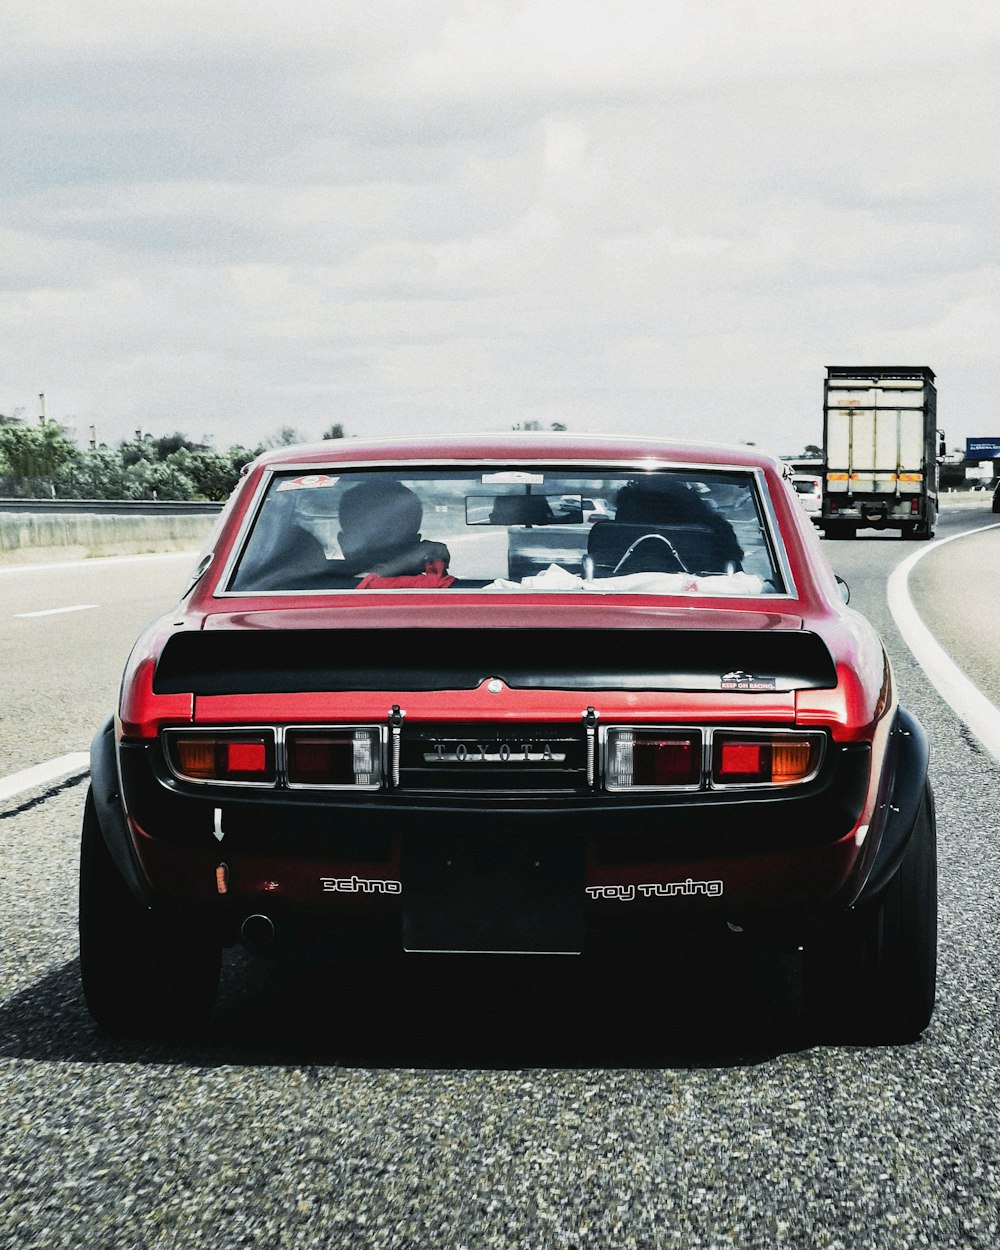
{"x":872,"y":977}
{"x":140,"y":975}
{"x":920,"y":531}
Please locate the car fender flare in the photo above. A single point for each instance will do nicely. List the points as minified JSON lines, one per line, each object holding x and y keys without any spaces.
{"x":906,"y":764}
{"x":106,"y":791}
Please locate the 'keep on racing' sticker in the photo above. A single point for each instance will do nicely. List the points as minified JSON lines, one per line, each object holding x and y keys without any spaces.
{"x":740,"y":680}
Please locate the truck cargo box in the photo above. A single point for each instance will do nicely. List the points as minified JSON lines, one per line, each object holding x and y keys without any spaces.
{"x":880,"y":444}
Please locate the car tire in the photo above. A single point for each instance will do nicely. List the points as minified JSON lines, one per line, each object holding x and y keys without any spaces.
{"x":140,"y":975}
{"x":872,"y":977}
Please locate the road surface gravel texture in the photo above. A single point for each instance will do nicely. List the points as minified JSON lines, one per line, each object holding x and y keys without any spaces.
{"x":508,"y":1105}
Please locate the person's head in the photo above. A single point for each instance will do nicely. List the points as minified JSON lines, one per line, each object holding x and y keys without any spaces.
{"x":657,"y":500}
{"x":378,"y":518}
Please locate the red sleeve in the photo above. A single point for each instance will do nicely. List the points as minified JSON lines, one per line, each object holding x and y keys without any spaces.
{"x":432,"y":578}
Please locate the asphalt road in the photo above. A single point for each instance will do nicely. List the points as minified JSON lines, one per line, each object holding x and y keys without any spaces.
{"x":498,"y":1106}
{"x":65,"y":633}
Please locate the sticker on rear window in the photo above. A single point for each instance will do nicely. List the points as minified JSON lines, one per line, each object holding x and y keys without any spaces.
{"x":516,"y":476}
{"x":311,"y":482}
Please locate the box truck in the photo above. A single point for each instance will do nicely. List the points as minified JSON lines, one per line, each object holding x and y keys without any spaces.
{"x":881,"y":447}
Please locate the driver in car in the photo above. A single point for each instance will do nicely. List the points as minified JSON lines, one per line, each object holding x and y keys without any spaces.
{"x":380,"y":537}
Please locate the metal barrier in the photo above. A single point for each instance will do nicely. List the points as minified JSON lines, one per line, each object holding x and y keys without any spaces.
{"x":112,"y":507}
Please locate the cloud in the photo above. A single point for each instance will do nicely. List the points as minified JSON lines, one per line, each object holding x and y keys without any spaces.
{"x":466,"y":214}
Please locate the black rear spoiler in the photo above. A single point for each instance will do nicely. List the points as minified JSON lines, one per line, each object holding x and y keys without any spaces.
{"x":286,"y":661}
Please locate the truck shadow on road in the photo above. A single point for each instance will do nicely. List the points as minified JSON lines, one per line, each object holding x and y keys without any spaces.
{"x":706,"y":1007}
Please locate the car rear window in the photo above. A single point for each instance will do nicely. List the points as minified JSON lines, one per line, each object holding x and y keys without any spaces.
{"x":490,"y":529}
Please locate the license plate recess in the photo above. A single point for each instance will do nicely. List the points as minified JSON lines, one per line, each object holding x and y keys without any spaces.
{"x":491,"y":894}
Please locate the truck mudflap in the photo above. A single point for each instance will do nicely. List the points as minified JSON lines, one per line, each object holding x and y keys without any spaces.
{"x":906,"y":768}
{"x":106,"y":793}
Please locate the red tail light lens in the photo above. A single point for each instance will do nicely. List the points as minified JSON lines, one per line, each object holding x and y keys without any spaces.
{"x":652,"y":759}
{"x":764,"y":759}
{"x":242,"y":757}
{"x":339,"y":758}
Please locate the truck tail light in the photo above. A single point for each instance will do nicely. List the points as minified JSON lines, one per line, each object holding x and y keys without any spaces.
{"x":652,"y":759}
{"x":914,"y":504}
{"x":339,"y":758}
{"x":764,"y":759}
{"x":239,"y":757}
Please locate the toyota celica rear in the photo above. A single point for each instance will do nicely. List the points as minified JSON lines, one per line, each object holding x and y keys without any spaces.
{"x":512,"y":696}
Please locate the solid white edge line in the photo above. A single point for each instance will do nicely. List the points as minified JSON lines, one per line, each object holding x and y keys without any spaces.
{"x":962,"y":695}
{"x":44,"y":774}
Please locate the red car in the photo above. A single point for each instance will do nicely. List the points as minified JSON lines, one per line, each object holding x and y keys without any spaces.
{"x":415,"y":693}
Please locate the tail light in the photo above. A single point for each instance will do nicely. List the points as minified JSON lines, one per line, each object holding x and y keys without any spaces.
{"x":245,"y":757}
{"x":764,"y":759}
{"x":914,"y":504}
{"x":349,"y":758}
{"x":652,"y":759}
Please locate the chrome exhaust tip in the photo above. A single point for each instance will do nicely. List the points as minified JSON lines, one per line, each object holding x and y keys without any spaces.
{"x":257,"y":930}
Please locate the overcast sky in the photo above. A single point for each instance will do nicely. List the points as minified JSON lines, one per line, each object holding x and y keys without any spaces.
{"x":652,"y":216}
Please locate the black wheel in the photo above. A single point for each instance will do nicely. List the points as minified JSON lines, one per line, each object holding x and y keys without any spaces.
{"x":921,"y":531}
{"x":140,"y":975}
{"x":872,"y":977}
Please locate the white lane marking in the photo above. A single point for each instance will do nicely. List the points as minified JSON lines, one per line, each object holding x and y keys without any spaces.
{"x":962,"y":695}
{"x":97,"y":562}
{"x":44,"y":774}
{"x":76,"y":607}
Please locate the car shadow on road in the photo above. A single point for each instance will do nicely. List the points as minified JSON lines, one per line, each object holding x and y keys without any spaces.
{"x":707,"y":1006}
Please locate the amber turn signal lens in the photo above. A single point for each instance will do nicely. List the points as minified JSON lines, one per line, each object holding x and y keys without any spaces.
{"x":195,"y":757}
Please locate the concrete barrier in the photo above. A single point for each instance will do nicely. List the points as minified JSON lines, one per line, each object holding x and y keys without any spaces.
{"x":27,"y":538}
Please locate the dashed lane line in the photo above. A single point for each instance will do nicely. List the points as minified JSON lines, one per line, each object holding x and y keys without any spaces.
{"x":960,"y":693}
{"x":95,"y":562}
{"x":75,"y":607}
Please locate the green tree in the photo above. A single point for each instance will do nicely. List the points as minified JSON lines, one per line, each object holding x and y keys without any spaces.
{"x":169,"y":444}
{"x":98,"y":473}
{"x":33,"y":457}
{"x":210,"y":471}
{"x":157,"y":479}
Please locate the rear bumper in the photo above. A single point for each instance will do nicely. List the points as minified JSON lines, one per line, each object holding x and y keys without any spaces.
{"x":889,"y":511}
{"x":329,"y":862}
